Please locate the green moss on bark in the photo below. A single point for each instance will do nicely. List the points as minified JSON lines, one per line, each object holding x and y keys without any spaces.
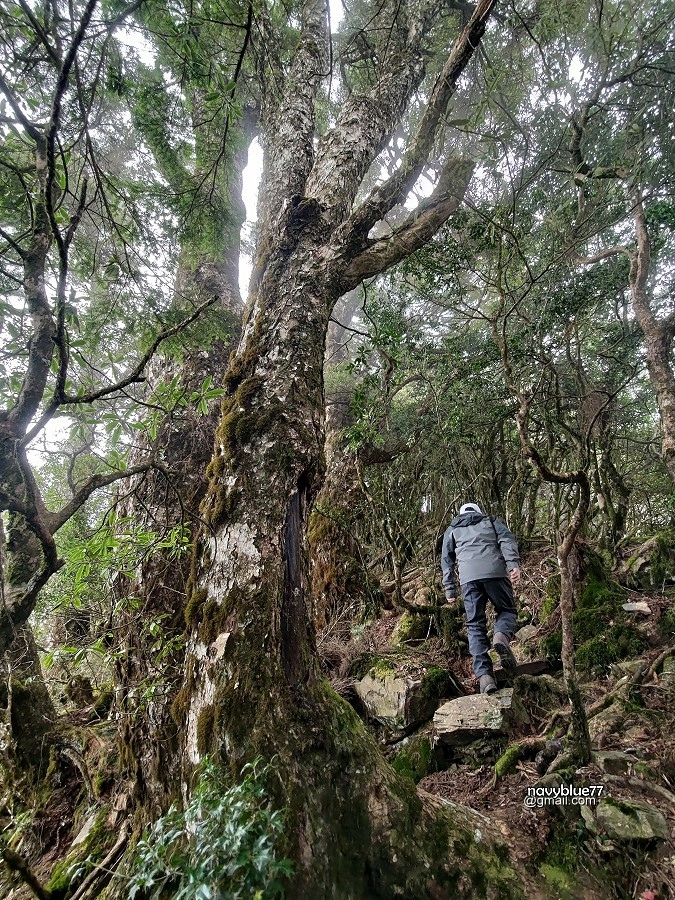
{"x":195,"y":606}
{"x":414,"y":761}
{"x":205,"y":729}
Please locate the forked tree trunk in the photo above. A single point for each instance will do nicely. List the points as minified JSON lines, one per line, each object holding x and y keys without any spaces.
{"x":253,"y":687}
{"x":355,"y":829}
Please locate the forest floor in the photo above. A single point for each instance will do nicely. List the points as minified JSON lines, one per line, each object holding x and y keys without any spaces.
{"x":554,"y":844}
{"x":640,"y":723}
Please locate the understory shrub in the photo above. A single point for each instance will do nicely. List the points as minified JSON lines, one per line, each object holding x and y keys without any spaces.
{"x":222,"y":846}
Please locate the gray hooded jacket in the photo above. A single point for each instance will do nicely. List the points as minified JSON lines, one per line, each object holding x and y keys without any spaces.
{"x":482,"y":546}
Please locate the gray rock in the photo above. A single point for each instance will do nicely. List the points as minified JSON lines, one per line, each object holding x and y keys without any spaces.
{"x":625,"y":820}
{"x":605,"y":724}
{"x":466,"y":719}
{"x":639,"y":606}
{"x":614,"y":762}
{"x":395,"y":701}
{"x":526,"y":633}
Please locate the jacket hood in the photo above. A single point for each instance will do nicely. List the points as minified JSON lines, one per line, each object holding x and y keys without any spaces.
{"x":467,"y":518}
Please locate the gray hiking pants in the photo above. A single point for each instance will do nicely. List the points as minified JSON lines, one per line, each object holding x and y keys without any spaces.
{"x":476,"y":595}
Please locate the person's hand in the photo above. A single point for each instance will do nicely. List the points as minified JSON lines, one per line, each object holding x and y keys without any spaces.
{"x":514,"y":575}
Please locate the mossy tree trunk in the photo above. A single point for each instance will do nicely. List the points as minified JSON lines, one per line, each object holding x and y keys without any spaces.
{"x":27,"y":712}
{"x":253,"y":685}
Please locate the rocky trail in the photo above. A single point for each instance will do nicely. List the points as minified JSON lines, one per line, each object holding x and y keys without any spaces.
{"x":602,"y":830}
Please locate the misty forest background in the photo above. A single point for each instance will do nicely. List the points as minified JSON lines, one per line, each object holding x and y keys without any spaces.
{"x":462,"y":274}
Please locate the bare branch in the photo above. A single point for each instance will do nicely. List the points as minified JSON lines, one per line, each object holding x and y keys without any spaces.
{"x":57,"y":519}
{"x":135,"y":375}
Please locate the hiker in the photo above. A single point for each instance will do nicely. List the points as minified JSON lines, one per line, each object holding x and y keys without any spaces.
{"x":487,"y":555}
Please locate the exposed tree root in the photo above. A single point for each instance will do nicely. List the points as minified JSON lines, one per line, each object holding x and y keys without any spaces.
{"x":91,"y":886}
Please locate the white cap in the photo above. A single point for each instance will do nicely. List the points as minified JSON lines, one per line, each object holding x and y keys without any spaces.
{"x":471,"y":507}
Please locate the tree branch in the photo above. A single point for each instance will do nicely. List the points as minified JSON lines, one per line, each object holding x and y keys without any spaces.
{"x":31,"y":129}
{"x":132,"y":377}
{"x":57,"y":519}
{"x":396,"y":188}
{"x":417,"y":229}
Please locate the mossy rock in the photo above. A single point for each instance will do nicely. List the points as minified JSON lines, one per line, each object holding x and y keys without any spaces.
{"x":589,"y":622}
{"x":399,"y":698}
{"x":626,"y":820}
{"x":600,"y":593}
{"x":410,"y":627}
{"x":415,"y":758}
{"x":653,"y":563}
{"x":616,"y":643}
{"x":374,"y":664}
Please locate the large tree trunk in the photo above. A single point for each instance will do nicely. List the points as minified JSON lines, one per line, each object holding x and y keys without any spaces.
{"x":659,"y":334}
{"x":253,"y":686}
{"x":355,"y":829}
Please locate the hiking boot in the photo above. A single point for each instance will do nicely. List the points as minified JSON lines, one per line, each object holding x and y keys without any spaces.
{"x":501,"y":644}
{"x":487,"y":684}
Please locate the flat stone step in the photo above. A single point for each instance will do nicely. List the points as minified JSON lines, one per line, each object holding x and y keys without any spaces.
{"x":537,"y":667}
{"x":466,"y":719}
